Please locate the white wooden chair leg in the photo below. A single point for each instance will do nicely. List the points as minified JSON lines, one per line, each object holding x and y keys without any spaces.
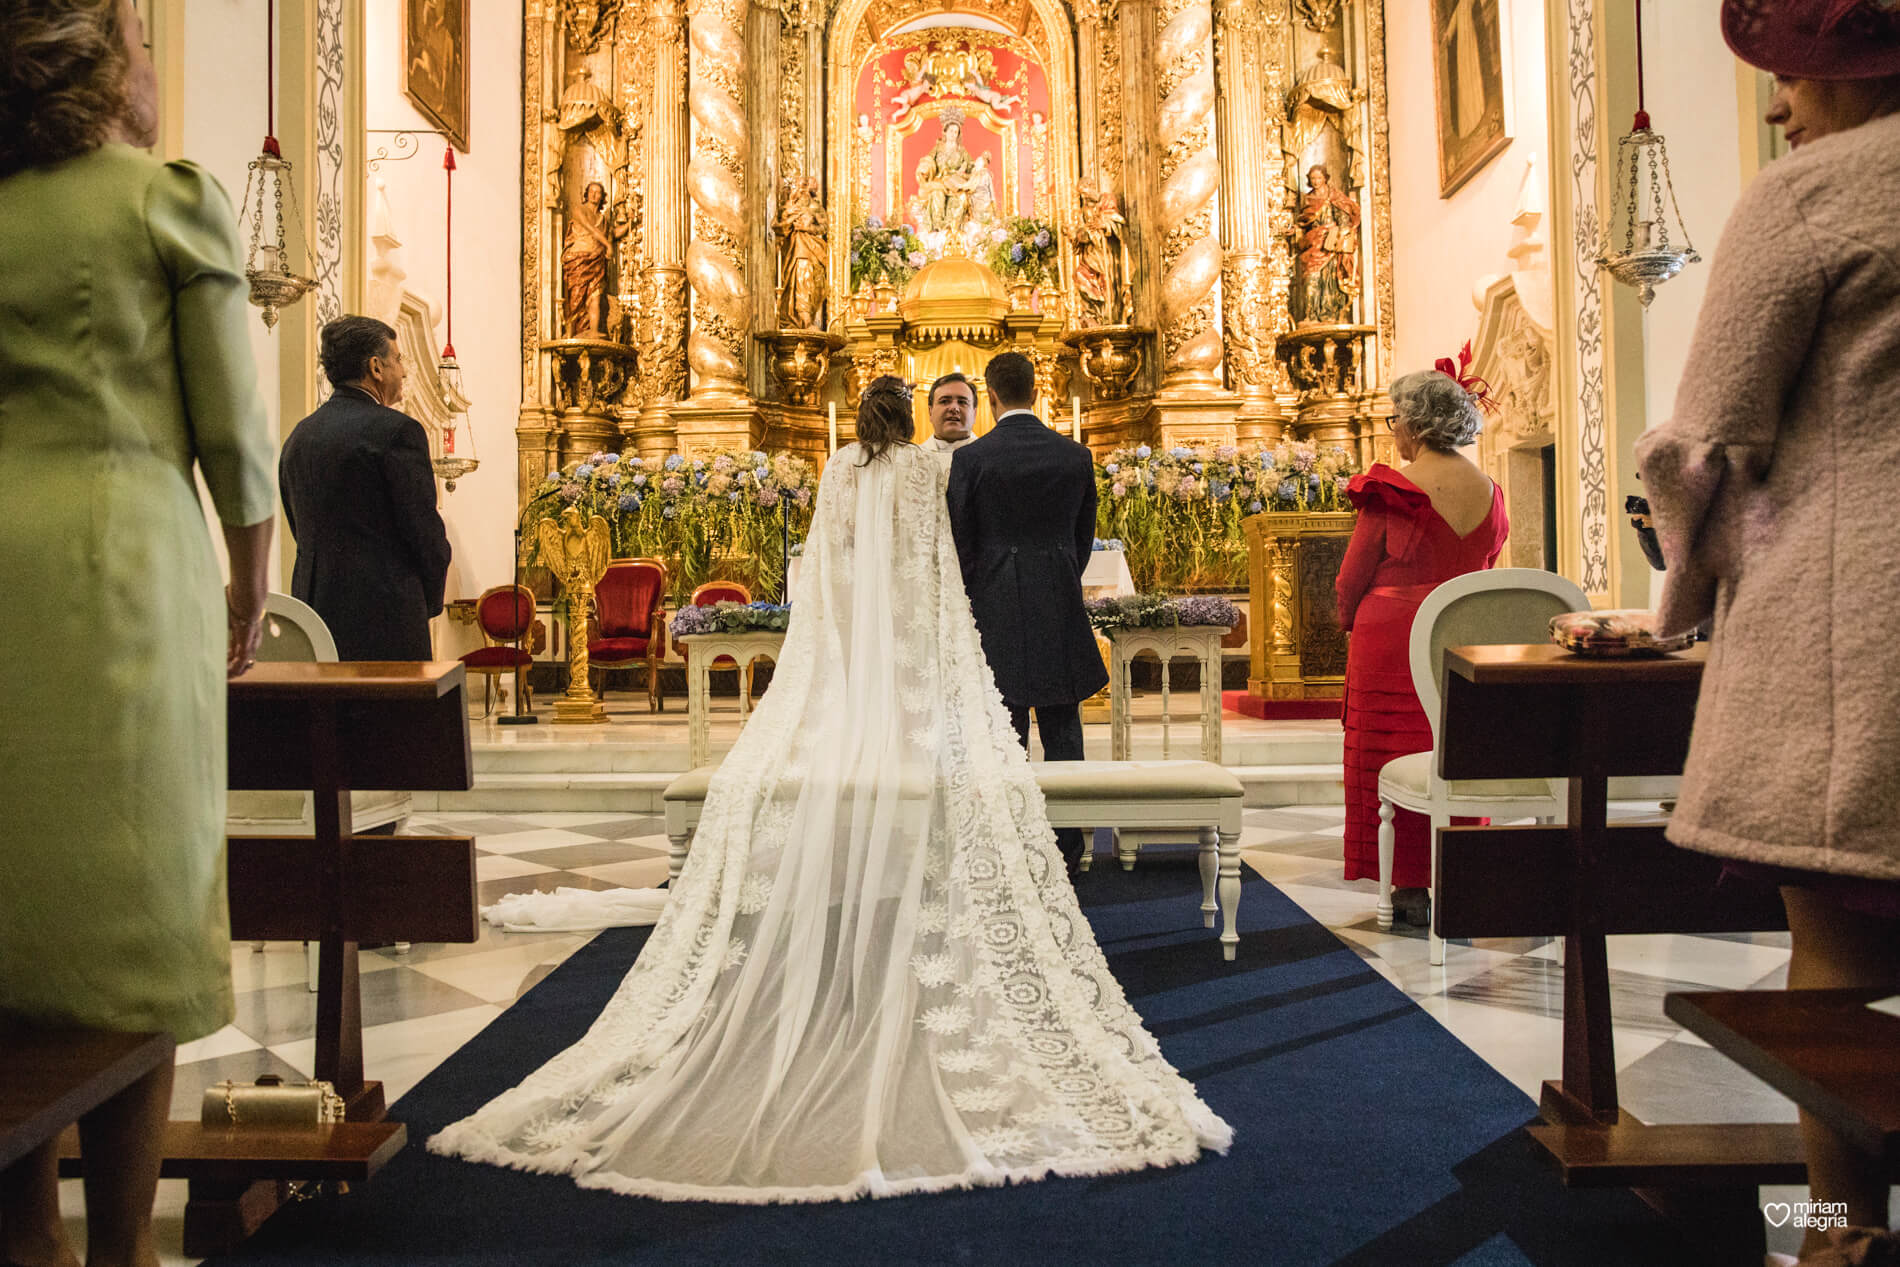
{"x":1088,"y":849}
{"x":1210,"y":872}
{"x":1437,"y":943}
{"x":310,"y":949}
{"x":676,"y":854}
{"x":1126,"y":847}
{"x":1386,"y":840}
{"x":1229,"y":893}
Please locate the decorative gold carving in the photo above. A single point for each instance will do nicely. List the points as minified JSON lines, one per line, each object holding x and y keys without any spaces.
{"x":1325,"y":360}
{"x":1190,"y":182}
{"x":1296,"y":650}
{"x":1109,"y":357}
{"x":1319,"y":15}
{"x":663,"y":345}
{"x":800,"y":361}
{"x":589,"y":375}
{"x":1381,"y":183}
{"x":577,"y":554}
{"x":715,"y":345}
{"x":1246,"y":296}
{"x":587,"y":22}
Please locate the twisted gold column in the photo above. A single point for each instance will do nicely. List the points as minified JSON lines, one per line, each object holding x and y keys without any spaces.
{"x":715,"y":180}
{"x":1253,"y":298}
{"x":662,"y":309}
{"x":1190,"y":184}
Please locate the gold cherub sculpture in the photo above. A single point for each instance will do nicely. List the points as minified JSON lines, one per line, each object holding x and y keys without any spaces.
{"x":577,"y":554}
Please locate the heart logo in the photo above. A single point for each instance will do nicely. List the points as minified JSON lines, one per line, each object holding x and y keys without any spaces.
{"x":1777,"y":1212}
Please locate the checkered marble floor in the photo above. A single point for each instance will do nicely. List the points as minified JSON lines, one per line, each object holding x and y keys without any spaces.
{"x":1502,"y":998}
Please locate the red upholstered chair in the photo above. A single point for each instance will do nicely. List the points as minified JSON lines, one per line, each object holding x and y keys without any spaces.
{"x":505,"y":615}
{"x":629,"y":603}
{"x":711,"y":594}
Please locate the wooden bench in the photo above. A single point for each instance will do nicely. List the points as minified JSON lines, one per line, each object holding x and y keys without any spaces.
{"x":1144,"y":801}
{"x":50,"y":1079}
{"x":1824,"y":1049}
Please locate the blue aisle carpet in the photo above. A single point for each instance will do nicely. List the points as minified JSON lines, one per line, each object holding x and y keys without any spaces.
{"x":1365,"y":1135}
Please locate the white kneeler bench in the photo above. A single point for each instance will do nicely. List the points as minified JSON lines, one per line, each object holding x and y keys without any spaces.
{"x":1144,"y":801}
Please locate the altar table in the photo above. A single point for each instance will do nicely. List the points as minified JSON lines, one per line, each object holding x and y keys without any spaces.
{"x":1538,"y":711}
{"x":704,"y":648}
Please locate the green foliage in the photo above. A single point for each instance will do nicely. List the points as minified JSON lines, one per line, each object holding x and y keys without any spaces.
{"x":711,"y":517}
{"x":1178,"y":511}
{"x":1026,"y":252}
{"x":881,"y":252}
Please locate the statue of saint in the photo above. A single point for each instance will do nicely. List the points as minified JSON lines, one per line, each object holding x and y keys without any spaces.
{"x":1100,"y":272}
{"x":802,"y":288}
{"x":944,"y":179}
{"x":585,"y":250}
{"x":1326,"y":239}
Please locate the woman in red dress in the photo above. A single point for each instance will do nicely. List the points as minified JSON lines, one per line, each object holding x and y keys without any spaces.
{"x":1436,"y":517}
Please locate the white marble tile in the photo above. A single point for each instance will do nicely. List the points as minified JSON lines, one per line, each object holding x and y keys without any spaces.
{"x":1408,"y":959}
{"x":1335,"y":907}
{"x":402,"y":1053}
{"x":496,"y":976}
{"x":636,"y":873}
{"x":539,"y":838}
{"x":227,"y":1041}
{"x":1725,"y":965}
{"x":501,"y":866}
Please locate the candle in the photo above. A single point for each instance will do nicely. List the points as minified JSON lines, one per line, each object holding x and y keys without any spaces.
{"x":448,"y":441}
{"x":832,"y":411}
{"x":1075,"y":414}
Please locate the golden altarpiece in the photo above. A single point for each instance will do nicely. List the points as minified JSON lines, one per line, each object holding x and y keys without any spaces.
{"x":1213,"y":175}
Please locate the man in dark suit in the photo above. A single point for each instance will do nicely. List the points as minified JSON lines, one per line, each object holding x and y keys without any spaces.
{"x":1022,"y":509}
{"x":359,"y":495}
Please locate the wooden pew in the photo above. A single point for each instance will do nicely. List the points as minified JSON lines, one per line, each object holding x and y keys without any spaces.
{"x":330,"y":728}
{"x":49,"y":1079}
{"x":1537,"y":711}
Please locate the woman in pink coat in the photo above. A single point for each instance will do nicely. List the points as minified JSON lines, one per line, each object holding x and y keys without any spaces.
{"x":1776,"y":490}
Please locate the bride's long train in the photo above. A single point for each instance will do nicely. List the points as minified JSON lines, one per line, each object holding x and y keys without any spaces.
{"x":872,"y":977}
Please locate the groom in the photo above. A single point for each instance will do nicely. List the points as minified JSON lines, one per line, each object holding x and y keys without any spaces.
{"x":1022,"y":509}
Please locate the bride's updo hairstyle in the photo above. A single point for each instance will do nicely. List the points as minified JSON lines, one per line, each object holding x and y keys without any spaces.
{"x":884,"y":416}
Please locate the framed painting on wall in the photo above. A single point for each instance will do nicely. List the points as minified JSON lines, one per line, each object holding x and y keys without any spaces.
{"x":1468,"y":56}
{"x":435,"y":64}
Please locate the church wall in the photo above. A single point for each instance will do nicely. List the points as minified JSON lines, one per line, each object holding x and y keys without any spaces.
{"x":1689,"y":106}
{"x":218,"y":104}
{"x":480,"y":513}
{"x":1444,"y":247}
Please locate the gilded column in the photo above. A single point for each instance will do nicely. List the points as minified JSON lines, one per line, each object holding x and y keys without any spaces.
{"x":1249,"y":162}
{"x":663,"y":283}
{"x":1088,"y":62}
{"x":1190,"y":171}
{"x":715,"y":180}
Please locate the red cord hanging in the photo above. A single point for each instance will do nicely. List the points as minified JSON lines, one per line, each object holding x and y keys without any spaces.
{"x":1642,"y":115}
{"x":270,"y":81}
{"x":448,"y":246}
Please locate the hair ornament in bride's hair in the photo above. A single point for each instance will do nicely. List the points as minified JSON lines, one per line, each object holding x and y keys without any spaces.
{"x":1460,"y":373}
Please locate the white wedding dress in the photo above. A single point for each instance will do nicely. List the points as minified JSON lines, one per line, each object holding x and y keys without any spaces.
{"x":872,"y":977}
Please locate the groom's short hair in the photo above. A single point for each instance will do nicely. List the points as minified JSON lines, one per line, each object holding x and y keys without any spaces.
{"x":1012,"y":376}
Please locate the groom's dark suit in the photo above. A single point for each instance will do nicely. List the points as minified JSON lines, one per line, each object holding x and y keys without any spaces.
{"x":1022,"y":510}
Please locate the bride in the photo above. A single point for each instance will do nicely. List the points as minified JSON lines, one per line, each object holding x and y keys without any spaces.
{"x":872,"y":977}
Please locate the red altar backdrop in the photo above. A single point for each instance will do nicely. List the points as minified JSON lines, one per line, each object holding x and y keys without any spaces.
{"x":903,"y":92}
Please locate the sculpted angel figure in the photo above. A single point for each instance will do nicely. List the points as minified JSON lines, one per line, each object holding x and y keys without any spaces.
{"x":576,"y":552}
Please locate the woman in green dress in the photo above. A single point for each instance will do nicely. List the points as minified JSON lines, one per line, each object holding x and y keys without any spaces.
{"x":124,"y":367}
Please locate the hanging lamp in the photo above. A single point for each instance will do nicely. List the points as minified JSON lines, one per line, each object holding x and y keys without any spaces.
{"x":1649,"y":256}
{"x":267,"y":265}
{"x":450,"y":466}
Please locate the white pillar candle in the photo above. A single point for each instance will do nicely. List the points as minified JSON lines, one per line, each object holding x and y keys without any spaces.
{"x":831,"y":411}
{"x":1075,"y":414}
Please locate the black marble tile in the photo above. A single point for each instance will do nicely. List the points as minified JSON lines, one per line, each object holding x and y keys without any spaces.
{"x":596,"y":854}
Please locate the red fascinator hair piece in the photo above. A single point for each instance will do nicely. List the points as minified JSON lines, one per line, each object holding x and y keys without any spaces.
{"x":1460,"y":373}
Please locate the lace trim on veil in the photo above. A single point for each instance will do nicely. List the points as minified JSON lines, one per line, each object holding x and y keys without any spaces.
{"x":872,"y":976}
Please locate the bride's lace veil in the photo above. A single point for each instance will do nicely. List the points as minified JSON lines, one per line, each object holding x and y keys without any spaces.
{"x":872,"y":976}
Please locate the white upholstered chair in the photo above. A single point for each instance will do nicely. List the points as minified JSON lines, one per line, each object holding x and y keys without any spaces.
{"x":292,"y":631}
{"x":1504,"y":605}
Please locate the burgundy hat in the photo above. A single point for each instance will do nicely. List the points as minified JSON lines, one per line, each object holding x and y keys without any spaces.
{"x":1816,"y":39}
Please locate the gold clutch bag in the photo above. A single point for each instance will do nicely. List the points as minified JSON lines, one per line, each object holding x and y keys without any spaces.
{"x":271,"y":1102}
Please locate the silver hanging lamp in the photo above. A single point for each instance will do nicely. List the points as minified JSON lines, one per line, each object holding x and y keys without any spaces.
{"x":450,"y":466}
{"x":1643,"y":190}
{"x":267,"y":265}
